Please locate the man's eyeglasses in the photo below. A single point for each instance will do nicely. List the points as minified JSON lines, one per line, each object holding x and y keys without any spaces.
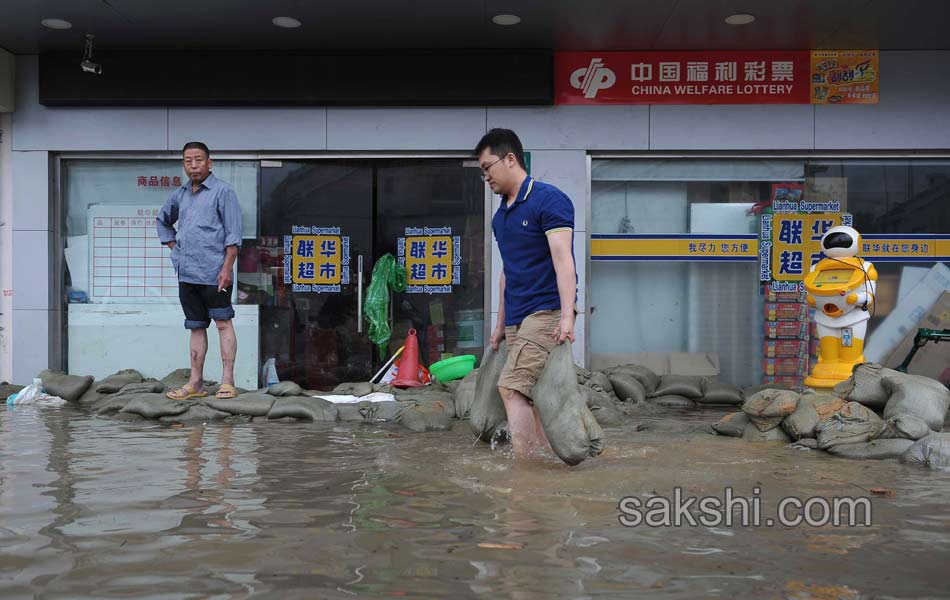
{"x":488,"y":166}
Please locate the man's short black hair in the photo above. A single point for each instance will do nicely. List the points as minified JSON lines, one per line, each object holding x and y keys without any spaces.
{"x":197,"y":146}
{"x":500,"y":142}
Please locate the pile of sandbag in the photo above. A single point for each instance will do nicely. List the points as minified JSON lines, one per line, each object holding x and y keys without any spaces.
{"x":638,"y":384}
{"x":877,"y":413}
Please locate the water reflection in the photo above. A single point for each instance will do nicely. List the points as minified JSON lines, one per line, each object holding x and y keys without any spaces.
{"x":96,"y":507}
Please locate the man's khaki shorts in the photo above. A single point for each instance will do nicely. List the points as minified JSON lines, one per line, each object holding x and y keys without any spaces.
{"x":528,"y":347}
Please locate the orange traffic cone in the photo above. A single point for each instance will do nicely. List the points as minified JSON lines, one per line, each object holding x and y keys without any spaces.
{"x":408,"y":375}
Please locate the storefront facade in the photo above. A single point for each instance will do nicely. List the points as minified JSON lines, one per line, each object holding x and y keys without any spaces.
{"x":374,"y":172}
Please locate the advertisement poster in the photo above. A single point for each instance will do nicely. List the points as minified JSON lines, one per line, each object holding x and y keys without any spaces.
{"x":432,"y":258}
{"x":844,"y":77}
{"x":316,"y":259}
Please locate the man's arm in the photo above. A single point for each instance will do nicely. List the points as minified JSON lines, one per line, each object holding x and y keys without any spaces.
{"x":230,"y":212}
{"x":560,"y":243}
{"x":499,"y":332}
{"x":167,"y":217}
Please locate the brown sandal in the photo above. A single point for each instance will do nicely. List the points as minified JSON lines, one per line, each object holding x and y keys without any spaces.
{"x":226,"y":392}
{"x":186,"y":392}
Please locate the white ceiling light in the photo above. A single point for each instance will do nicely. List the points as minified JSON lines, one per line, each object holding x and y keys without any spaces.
{"x":506,"y":19}
{"x":740,"y":19}
{"x":56,"y":23}
{"x":286,"y":22}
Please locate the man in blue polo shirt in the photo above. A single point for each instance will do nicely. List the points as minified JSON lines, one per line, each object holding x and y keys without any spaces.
{"x":534,"y":228}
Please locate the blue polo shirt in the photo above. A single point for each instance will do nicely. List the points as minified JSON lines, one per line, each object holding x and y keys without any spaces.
{"x":521,"y":232}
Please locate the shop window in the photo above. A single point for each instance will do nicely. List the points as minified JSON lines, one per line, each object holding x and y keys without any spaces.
{"x":716,"y":306}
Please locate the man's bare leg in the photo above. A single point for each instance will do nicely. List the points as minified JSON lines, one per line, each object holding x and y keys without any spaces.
{"x":522,"y":424}
{"x":228,"y":349}
{"x":199,"y":349}
{"x":540,"y":436}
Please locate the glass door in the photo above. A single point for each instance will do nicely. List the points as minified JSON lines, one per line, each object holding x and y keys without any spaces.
{"x":323,"y":226}
{"x":316,"y":235}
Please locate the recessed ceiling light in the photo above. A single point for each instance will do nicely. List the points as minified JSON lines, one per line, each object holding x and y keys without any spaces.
{"x":740,"y":19}
{"x":56,"y":23}
{"x":286,"y":22}
{"x":506,"y":19}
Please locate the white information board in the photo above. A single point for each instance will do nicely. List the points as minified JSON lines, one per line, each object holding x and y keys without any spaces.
{"x":127,"y":262}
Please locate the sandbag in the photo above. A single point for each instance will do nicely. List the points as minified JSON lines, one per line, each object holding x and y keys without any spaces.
{"x":453,"y":385}
{"x":672,"y":401}
{"x":627,"y":387}
{"x":568,"y":424}
{"x":354,"y":388}
{"x":752,"y":433}
{"x":180,"y":377}
{"x":601,"y":382}
{"x":715,"y":392}
{"x":487,"y":411}
{"x":917,"y":395}
{"x":253,"y":404}
{"x":8,"y":389}
{"x":197,"y":413}
{"x":68,"y":387}
{"x":303,"y":407}
{"x":89,"y":397}
{"x":419,"y":417}
{"x":602,"y":406}
{"x":110,"y":404}
{"x":465,"y":394}
{"x":145,"y":387}
{"x":647,"y":378}
{"x":908,"y":427}
{"x":932,"y":451}
{"x":732,"y":425}
{"x":153,"y":406}
{"x":866,"y":385}
{"x":873,"y":450}
{"x":767,"y":408}
{"x":854,"y":423}
{"x":285,"y":388}
{"x":810,"y":443}
{"x":689,"y":386}
{"x":115,"y":382}
{"x":811,"y":409}
{"x":368,"y":412}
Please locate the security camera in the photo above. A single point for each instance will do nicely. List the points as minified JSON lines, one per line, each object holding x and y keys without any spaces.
{"x":87,"y":65}
{"x":90,"y":67}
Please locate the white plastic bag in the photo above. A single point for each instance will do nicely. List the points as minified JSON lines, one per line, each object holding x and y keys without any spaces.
{"x":27,"y":394}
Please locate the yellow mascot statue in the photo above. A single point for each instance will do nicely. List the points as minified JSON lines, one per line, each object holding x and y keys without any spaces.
{"x":841,"y":289}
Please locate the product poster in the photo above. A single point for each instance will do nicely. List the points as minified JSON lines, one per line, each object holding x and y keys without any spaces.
{"x":845,"y":77}
{"x":432,"y":258}
{"x":316,"y":259}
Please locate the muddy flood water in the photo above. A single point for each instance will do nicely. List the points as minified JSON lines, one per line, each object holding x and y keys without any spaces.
{"x":92,"y":507}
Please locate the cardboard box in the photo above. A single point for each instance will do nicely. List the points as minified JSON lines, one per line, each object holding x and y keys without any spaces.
{"x":784,"y":349}
{"x":786,"y":330}
{"x":933,"y":360}
{"x":771,"y":296}
{"x":785,"y":366}
{"x":903,"y":320}
{"x":775,"y":311}
{"x":783,"y":381}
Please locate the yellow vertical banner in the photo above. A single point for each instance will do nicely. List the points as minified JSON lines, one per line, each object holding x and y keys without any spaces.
{"x":845,"y":77}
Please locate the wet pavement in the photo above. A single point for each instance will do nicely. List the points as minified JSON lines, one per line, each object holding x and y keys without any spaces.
{"x":93,"y":507}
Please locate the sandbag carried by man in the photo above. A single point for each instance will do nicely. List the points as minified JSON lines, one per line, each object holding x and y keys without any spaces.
{"x":534,"y":228}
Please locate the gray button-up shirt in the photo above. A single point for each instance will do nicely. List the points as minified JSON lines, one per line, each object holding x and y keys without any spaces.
{"x":209,"y":221}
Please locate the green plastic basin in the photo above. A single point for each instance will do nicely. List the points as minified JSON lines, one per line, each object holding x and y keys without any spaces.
{"x":456,"y":367}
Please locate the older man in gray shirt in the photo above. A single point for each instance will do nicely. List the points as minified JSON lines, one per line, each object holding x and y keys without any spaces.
{"x":203,"y":250}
